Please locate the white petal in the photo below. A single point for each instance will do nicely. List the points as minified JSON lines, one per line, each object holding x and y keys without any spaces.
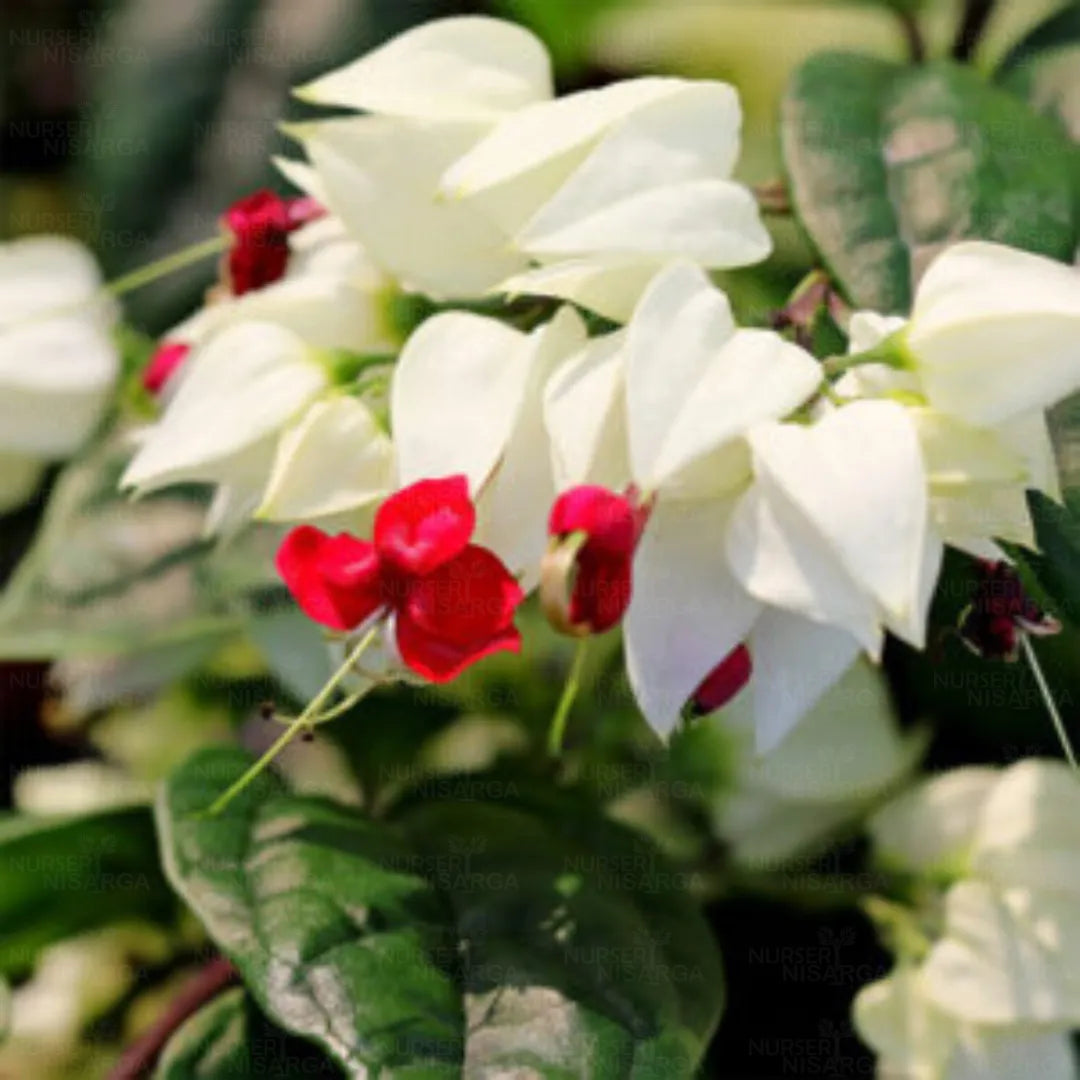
{"x":996,"y":331}
{"x":857,"y":479}
{"x":694,"y":383}
{"x":246,"y":384}
{"x":554,"y":133}
{"x":1029,"y":436}
{"x":585,"y":416}
{"x":240,"y":481}
{"x":1006,"y":958}
{"x":687,"y":611}
{"x":513,"y":510}
{"x":56,"y":380}
{"x":714,"y":222}
{"x":468,"y":67}
{"x":40,"y":274}
{"x":1029,"y":829}
{"x":985,"y":1053}
{"x":334,"y":459}
{"x":780,"y":558}
{"x":795,"y":662}
{"x":867,"y":329}
{"x":380,"y":177}
{"x":302,"y":177}
{"x":932,"y":826}
{"x":457,"y":391}
{"x":913,"y":1038}
{"x":611,"y":288}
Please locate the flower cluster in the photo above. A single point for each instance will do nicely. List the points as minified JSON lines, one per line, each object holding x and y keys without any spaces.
{"x":747,"y":513}
{"x":985,"y":983}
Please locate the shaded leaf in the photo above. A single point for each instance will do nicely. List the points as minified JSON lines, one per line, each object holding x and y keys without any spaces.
{"x":495,"y":926}
{"x":888,"y":164}
{"x":59,"y":877}
{"x":228,"y":1039}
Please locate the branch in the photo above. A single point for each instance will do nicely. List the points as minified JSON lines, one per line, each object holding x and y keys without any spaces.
{"x":976,"y":15}
{"x":142,"y":1054}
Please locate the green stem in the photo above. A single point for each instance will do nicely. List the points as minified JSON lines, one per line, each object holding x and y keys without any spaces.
{"x":1048,"y":700}
{"x":169,"y":264}
{"x":301,"y":723}
{"x":566,"y":702}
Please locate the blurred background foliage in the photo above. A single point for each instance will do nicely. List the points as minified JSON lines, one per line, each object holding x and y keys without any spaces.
{"x":130,"y":124}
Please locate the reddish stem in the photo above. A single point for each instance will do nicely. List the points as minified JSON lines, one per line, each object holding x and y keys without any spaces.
{"x":139,"y":1058}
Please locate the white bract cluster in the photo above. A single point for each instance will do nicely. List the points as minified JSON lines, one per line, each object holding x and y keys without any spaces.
{"x":802,"y":520}
{"x":995,"y":991}
{"x":58,"y":360}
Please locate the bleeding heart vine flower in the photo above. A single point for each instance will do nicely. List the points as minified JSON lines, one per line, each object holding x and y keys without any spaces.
{"x":467,"y":176}
{"x":1001,"y":613}
{"x":452,"y":602}
{"x":58,"y":361}
{"x":985,"y":985}
{"x":241,"y":372}
{"x":667,"y":406}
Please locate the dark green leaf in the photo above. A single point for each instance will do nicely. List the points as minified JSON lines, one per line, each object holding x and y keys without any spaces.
{"x":582,"y":954}
{"x":494,"y":926}
{"x":1044,"y":68}
{"x":1057,"y":564}
{"x":888,"y":163}
{"x":337,"y":935}
{"x":228,"y":1039}
{"x":62,"y":876}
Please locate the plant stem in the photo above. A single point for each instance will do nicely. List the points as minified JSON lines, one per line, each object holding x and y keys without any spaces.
{"x":972,"y":25}
{"x":566,"y":702}
{"x":301,"y":723}
{"x":141,"y":1055}
{"x":144,"y":275}
{"x":912,"y":34}
{"x":1048,"y":700}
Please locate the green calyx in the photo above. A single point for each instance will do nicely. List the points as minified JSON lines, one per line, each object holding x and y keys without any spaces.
{"x":892,"y":351}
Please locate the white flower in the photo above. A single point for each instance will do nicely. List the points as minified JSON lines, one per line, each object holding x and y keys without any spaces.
{"x":604,"y":186}
{"x":977,"y":473}
{"x":995,"y":332}
{"x":917,"y":1040}
{"x":465,"y":176}
{"x":257,"y":362}
{"x":998,"y":989}
{"x":667,"y":405}
{"x":58,"y":362}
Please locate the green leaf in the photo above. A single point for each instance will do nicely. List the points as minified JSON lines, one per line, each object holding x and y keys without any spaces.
{"x":582,"y":955}
{"x":107,"y":574}
{"x":228,"y":1039}
{"x":337,"y":935}
{"x":1057,"y":563}
{"x":887,"y":164}
{"x":493,"y":926}
{"x":1044,"y":68}
{"x":62,"y":876}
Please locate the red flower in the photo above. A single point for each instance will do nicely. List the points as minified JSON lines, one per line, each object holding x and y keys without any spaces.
{"x":611,"y":525}
{"x":260,"y":224}
{"x":167,"y":358}
{"x":453,"y":602}
{"x":723,"y":682}
{"x":1000,"y":612}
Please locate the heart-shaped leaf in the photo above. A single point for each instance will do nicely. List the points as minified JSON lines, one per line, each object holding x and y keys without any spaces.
{"x":494,"y":926}
{"x":888,"y":164}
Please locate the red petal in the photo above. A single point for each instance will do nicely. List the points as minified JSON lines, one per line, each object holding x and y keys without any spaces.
{"x":260,"y":250}
{"x":460,"y":613}
{"x":166,"y":359}
{"x":335,"y":579}
{"x":611,"y":521}
{"x":724,"y":681}
{"x":425,"y":525}
{"x":602,"y":589}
